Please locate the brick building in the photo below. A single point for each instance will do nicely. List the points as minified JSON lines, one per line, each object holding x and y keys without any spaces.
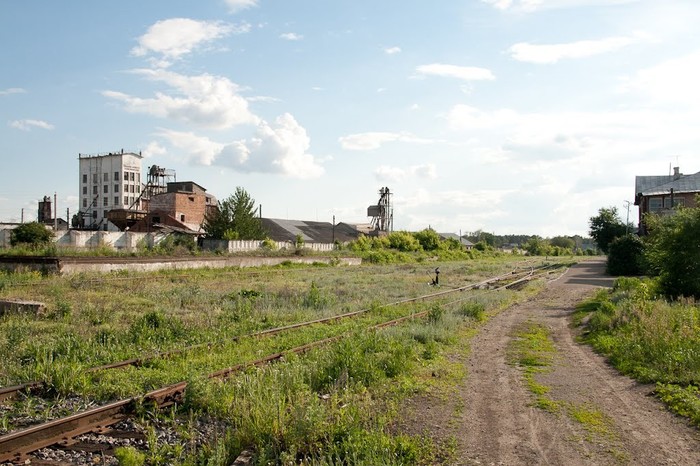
{"x":183,"y":207}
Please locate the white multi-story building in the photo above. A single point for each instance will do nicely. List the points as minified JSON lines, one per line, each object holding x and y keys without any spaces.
{"x":108,"y":182}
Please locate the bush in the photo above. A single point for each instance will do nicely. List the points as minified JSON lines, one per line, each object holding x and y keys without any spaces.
{"x":403,"y":241}
{"x":428,"y":239}
{"x":673,"y":251}
{"x":33,"y":233}
{"x":626,"y":256}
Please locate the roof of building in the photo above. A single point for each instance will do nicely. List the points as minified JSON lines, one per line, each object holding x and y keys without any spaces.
{"x":655,"y":185}
{"x":310,"y":232}
{"x":456,"y":237}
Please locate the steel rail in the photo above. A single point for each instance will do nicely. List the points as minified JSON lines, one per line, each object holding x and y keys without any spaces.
{"x":16,"y":445}
{"x":11,"y":392}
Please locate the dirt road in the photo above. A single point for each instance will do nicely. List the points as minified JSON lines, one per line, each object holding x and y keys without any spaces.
{"x":603,"y":418}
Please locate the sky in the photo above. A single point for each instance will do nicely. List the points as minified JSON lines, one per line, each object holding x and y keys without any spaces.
{"x":507,"y":116}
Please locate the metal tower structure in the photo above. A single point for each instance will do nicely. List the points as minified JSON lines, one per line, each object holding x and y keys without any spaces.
{"x":382,"y":213}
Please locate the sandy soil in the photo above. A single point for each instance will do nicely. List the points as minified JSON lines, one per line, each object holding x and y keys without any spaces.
{"x":493,"y":419}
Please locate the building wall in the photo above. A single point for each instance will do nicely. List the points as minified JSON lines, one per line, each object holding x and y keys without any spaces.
{"x":107,"y":182}
{"x":187,"y":208}
{"x":651,"y":204}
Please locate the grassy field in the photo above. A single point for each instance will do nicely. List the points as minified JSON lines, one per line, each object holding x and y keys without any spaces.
{"x":333,"y":405}
{"x":650,"y":339}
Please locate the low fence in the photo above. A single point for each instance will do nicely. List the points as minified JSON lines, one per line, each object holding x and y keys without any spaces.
{"x":131,"y":241}
{"x":242,"y":246}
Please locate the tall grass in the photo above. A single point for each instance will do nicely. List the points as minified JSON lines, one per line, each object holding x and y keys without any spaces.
{"x":652,"y":340}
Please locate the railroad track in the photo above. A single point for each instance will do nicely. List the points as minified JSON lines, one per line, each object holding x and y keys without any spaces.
{"x":15,"y":446}
{"x":12,"y":392}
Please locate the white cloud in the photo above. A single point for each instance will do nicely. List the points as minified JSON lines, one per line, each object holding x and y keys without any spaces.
{"x":388,"y":174}
{"x":204,"y":100}
{"x":392,"y":50}
{"x":153,"y":149}
{"x":552,"y":53}
{"x":281,"y":148}
{"x":374,"y":140}
{"x":467,"y":73}
{"x":465,"y":117}
{"x":277,"y":148}
{"x":13,"y":90}
{"x":173,"y":38}
{"x":201,"y":150}
{"x":27,"y":125}
{"x":490,"y":198}
{"x":292,"y":36}
{"x":674,"y":81}
{"x":238,"y":5}
{"x":535,"y":5}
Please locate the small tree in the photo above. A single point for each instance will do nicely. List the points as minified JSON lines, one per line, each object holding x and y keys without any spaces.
{"x":428,"y":239}
{"x":235,"y":219}
{"x":605,"y":227}
{"x":536,"y":246}
{"x":673,"y":251}
{"x":33,"y":233}
{"x":626,"y":256}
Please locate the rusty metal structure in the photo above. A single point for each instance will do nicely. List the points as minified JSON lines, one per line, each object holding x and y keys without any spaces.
{"x":382,"y":213}
{"x":157,"y":181}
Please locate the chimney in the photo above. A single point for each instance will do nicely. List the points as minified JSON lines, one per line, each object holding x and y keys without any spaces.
{"x":676,"y":173}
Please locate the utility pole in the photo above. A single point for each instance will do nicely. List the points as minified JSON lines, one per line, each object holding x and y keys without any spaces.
{"x":21,"y":219}
{"x":627,"y":225}
{"x":55,"y":213}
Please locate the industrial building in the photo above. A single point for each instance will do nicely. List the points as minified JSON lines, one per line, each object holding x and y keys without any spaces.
{"x":107,"y":182}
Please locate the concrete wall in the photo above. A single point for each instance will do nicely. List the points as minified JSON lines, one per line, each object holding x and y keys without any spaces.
{"x":129,"y":241}
{"x":72,"y":265}
{"x":242,"y":246}
{"x":121,"y":240}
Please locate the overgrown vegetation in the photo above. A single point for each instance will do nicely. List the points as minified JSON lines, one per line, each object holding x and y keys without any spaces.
{"x":648,"y":338}
{"x":333,"y":405}
{"x":235,"y":218}
{"x":32,"y":234}
{"x":671,"y":251}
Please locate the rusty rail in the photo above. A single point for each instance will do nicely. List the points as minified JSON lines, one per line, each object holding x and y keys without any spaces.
{"x":16,"y":445}
{"x":11,"y":392}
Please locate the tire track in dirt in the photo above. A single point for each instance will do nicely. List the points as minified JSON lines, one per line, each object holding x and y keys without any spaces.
{"x":499,"y":426}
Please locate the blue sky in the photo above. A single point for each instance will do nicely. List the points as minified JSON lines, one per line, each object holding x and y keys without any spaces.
{"x":511,"y":116}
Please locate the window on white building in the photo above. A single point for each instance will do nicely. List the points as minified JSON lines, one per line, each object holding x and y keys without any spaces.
{"x":105,"y":189}
{"x":84,"y":203}
{"x":94,"y":190}
{"x":94,"y":177}
{"x":126,"y":176}
{"x":126,"y":200}
{"x":116,"y":200}
{"x":85,"y":190}
{"x":105,"y":201}
{"x":105,"y":177}
{"x":116,"y":188}
{"x":116,"y":176}
{"x":84,"y":177}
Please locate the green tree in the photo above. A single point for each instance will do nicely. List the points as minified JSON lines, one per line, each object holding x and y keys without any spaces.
{"x":626,"y":256}
{"x":403,"y":241}
{"x":428,"y":239}
{"x":673,"y":251}
{"x":605,"y":227}
{"x":235,"y":218}
{"x":33,"y":233}
{"x":536,"y":246}
{"x":563,"y":242}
